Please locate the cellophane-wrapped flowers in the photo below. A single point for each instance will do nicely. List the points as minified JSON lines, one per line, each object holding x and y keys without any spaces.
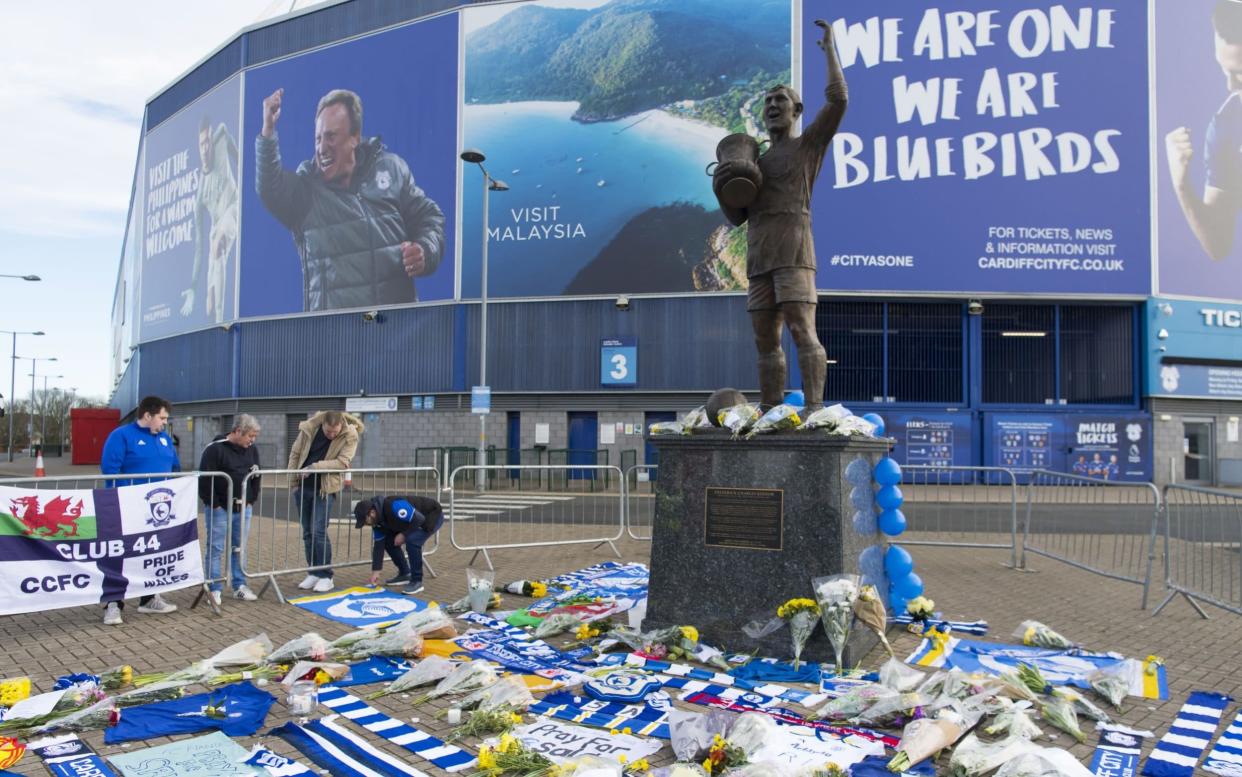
{"x":431,"y":669}
{"x":801,"y":615}
{"x":309,"y":646}
{"x":778,"y":419}
{"x":464,"y":678}
{"x":836,"y":595}
{"x":1036,"y":634}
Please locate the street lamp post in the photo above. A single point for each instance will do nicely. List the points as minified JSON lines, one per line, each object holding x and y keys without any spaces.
{"x":34,"y":360}
{"x":475,"y":156}
{"x":13,"y":381}
{"x":43,"y":410}
{"x":64,"y":419}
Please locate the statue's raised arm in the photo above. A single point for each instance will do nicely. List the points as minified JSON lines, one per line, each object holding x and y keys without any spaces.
{"x":836,"y":96}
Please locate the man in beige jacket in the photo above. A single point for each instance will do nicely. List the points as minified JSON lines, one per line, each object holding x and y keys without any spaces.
{"x":325,"y":441}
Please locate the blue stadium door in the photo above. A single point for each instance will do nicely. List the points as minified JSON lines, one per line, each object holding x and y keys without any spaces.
{"x":583,"y":442}
{"x":514,"y":453}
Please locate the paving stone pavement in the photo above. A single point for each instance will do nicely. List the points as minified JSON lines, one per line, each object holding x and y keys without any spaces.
{"x":966,"y":583}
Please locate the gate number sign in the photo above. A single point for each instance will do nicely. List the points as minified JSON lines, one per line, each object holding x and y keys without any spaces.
{"x":618,"y":361}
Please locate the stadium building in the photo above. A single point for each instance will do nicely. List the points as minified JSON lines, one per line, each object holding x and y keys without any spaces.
{"x":1005,"y":270}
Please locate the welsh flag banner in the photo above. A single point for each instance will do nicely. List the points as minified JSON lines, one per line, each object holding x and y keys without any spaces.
{"x":77,"y":547}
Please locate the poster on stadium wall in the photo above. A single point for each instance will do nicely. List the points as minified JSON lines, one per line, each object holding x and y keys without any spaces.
{"x":930,"y":439}
{"x":602,"y":118}
{"x":79,"y":547}
{"x":350,"y":174}
{"x":189,"y":197}
{"x":1198,"y":180}
{"x":1105,"y":447}
{"x":986,"y":147}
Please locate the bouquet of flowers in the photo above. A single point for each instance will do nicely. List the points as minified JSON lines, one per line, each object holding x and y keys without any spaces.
{"x":248,"y":652}
{"x":116,"y":677}
{"x":260,"y":673}
{"x":827,"y":418}
{"x":674,"y":642}
{"x":99,"y":715}
{"x":1111,"y":684}
{"x":463,"y":604}
{"x":921,"y":610}
{"x":556,"y":623}
{"x":198,"y":672}
{"x":507,"y":693}
{"x":432,"y":669}
{"x":925,"y":737}
{"x":778,"y":419}
{"x":1060,"y":713}
{"x":75,"y":699}
{"x":394,"y":642}
{"x":309,"y":646}
{"x":1082,"y":704}
{"x":854,"y":702}
{"x":429,"y":623}
{"x":1036,"y":634}
{"x":14,"y":690}
{"x":319,"y":672}
{"x":1013,"y":720}
{"x":483,"y":723}
{"x":1016,"y":687}
{"x":1033,"y":679}
{"x":533,"y":588}
{"x":738,"y":418}
{"x":870,"y":610}
{"x":510,"y":755}
{"x":480,"y":585}
{"x":836,"y":595}
{"x":1045,"y":762}
{"x":723,"y":755}
{"x":149,"y":694}
{"x":464,"y":678}
{"x":801,"y":615}
{"x":975,"y":758}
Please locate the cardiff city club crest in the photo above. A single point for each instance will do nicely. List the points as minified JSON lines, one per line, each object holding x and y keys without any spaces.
{"x":160,"y":503}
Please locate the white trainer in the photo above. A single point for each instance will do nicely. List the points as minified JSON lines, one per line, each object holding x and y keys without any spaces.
{"x":323,"y":585}
{"x":215,"y":597}
{"x":112,"y":614}
{"x":157,"y":606}
{"x":245,"y":594}
{"x":308,"y":582}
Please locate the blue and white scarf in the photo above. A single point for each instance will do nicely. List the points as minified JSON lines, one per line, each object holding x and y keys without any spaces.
{"x":648,"y":719}
{"x":275,"y":765}
{"x":805,"y":698}
{"x":1188,"y":736}
{"x":350,"y":707}
{"x":1118,"y":752}
{"x":965,"y":627}
{"x":342,"y":755}
{"x":1226,"y":757}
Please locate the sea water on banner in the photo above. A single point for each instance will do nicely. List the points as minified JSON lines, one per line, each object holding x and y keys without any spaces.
{"x":77,"y":547}
{"x":361,"y":606}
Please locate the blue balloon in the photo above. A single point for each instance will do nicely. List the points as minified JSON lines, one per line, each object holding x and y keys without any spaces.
{"x":887,"y":472}
{"x":910,"y":586}
{"x":897,"y":562}
{"x":862,"y":498}
{"x":876,"y":419}
{"x":871,"y":555}
{"x":892,"y":522}
{"x":858,"y":472}
{"x":795,"y":398}
{"x":889,"y":498}
{"x":864,"y":522}
{"x":896,"y":602}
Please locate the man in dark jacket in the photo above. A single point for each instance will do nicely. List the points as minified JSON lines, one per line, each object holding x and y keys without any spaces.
{"x":233,"y":454}
{"x":398,"y":521}
{"x":364,"y":230}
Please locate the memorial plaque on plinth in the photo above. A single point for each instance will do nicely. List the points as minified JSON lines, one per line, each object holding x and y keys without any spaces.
{"x":742,"y":526}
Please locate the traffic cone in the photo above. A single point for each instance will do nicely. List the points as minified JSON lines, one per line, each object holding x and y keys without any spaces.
{"x":39,"y":472}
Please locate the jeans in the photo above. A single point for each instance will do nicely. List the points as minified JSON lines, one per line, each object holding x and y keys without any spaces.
{"x":217,"y":530}
{"x":313,"y":511}
{"x":414,"y":541}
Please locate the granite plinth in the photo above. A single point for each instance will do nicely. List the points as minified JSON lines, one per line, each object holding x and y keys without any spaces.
{"x":720,"y":589}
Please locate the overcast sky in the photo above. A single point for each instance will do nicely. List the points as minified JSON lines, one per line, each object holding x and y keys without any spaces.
{"x":74,"y":77}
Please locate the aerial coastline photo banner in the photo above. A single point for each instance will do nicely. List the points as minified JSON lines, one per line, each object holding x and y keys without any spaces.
{"x":985,"y":148}
{"x":602,"y":117}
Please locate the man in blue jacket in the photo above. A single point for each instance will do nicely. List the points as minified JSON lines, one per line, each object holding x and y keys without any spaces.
{"x":396,"y":522}
{"x":362,"y":227}
{"x":142,"y":447}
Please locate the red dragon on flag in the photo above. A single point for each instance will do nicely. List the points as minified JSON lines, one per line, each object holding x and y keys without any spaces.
{"x":60,"y":514}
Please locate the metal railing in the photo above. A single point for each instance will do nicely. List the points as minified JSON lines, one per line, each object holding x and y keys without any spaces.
{"x":1203,"y":547}
{"x":486,"y":521}
{"x":640,"y":482}
{"x":1101,"y":526}
{"x":965,"y":507}
{"x":298,"y":531}
{"x":100,"y":481}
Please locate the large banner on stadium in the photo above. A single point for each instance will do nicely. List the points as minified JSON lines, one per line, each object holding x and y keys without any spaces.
{"x":188,"y":216}
{"x":602,"y":118}
{"x":77,"y":547}
{"x":1199,"y":147}
{"x":987,"y":147}
{"x":351,"y":172}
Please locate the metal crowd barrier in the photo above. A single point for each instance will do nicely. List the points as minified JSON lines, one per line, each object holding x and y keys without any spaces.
{"x":101,"y":481}
{"x":280,"y":542}
{"x":640,"y":481}
{"x":964,"y":507}
{"x":1101,"y":526}
{"x":483,"y":521}
{"x":1203,"y":547}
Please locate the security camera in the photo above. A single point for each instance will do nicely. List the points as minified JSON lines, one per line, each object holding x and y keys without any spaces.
{"x":975,"y":307}
{"x":370,"y":315}
{"x":623,"y":302}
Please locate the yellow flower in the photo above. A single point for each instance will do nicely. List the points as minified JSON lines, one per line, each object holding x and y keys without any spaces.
{"x":613,"y":732}
{"x":515,"y":718}
{"x":538,"y":590}
{"x":127,"y":674}
{"x":626,"y":730}
{"x":707,"y":765}
{"x":622,"y":758}
{"x":14,"y":690}
{"x":690,"y":633}
{"x":508,"y":743}
{"x":487,"y":759}
{"x":583,"y":632}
